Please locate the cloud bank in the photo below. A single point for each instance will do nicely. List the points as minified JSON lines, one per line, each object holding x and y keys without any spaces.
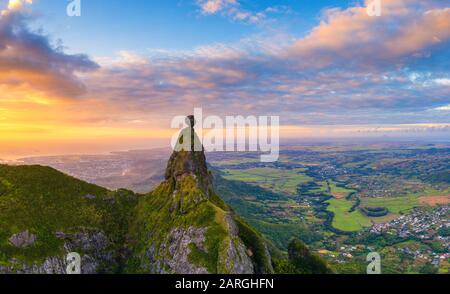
{"x":30,"y":64}
{"x":233,"y":10}
{"x":350,"y":69}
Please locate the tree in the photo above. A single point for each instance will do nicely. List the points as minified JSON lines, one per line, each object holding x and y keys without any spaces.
{"x":303,"y":261}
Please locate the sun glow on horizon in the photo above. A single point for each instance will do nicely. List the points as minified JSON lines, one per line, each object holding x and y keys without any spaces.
{"x":51,"y":101}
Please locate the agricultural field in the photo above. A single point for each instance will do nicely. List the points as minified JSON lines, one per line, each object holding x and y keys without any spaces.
{"x":435,"y":200}
{"x":403,"y":204}
{"x":345,"y":220}
{"x":339,"y":192}
{"x":236,"y":161}
{"x":395,"y":205}
{"x":344,"y":201}
{"x":277,"y":180}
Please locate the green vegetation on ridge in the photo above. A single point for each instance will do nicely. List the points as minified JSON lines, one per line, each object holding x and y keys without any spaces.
{"x":45,"y":201}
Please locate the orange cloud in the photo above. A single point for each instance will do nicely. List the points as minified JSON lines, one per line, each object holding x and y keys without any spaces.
{"x":213,"y":6}
{"x":29,"y":60}
{"x":15,"y":5}
{"x":352,"y":36}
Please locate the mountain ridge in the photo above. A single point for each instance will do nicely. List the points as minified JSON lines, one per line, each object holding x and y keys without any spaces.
{"x":181,"y":227}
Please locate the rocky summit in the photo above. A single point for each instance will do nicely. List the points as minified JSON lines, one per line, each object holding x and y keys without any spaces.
{"x":184,"y":226}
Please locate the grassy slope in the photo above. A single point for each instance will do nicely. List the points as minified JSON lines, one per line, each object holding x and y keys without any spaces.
{"x":187,"y":206}
{"x":44,"y":201}
{"x":154,"y":215}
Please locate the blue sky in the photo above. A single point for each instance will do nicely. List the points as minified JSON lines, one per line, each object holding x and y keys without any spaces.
{"x":126,"y":68}
{"x":113,"y":25}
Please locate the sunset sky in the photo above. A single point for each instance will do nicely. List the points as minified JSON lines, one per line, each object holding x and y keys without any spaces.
{"x":113,"y":78}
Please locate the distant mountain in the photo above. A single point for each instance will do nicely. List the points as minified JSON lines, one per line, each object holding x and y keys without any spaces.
{"x":139,"y":170}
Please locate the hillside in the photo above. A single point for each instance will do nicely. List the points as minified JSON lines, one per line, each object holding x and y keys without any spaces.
{"x":45,"y":214}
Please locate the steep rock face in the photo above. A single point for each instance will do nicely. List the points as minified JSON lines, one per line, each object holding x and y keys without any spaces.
{"x":23,"y":239}
{"x":179,"y":229}
{"x":189,"y":159}
{"x":94,"y":248}
{"x":184,"y":227}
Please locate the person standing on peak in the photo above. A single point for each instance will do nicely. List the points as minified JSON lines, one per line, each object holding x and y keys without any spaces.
{"x":188,"y":140}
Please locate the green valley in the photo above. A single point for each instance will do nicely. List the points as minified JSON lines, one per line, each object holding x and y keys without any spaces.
{"x":345,"y":201}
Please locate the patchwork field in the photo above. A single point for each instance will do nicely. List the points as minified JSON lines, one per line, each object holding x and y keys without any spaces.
{"x":236,"y":161}
{"x":343,"y":219}
{"x":368,"y":186}
{"x":435,"y":200}
{"x":277,"y":180}
{"x":338,"y":192}
{"x":355,"y":221}
{"x":396,"y":205}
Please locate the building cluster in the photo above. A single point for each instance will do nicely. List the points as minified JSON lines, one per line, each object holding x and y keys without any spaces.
{"x":425,"y":226}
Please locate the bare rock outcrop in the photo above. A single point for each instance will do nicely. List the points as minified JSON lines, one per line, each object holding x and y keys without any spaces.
{"x":23,"y":239}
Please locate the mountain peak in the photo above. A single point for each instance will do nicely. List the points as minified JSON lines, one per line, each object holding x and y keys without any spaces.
{"x":184,"y":227}
{"x":189,"y":158}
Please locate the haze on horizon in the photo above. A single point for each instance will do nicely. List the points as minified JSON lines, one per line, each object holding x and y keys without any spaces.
{"x":327,"y":68}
